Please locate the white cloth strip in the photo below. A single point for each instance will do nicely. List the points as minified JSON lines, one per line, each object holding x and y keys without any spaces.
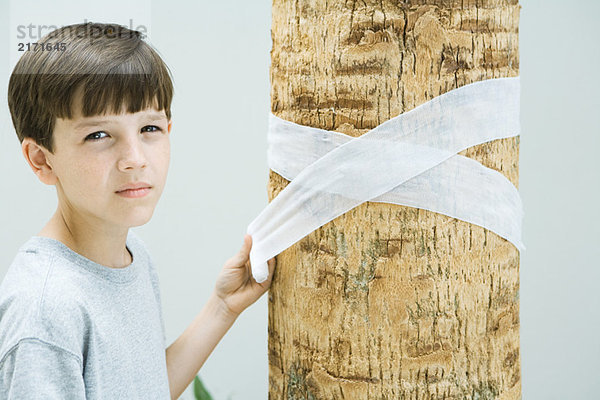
{"x":371,"y":165}
{"x":459,"y":187}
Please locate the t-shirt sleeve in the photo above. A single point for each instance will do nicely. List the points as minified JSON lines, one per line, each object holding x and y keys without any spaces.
{"x":34,"y":369}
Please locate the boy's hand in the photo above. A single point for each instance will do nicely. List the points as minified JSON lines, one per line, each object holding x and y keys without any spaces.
{"x":235,"y":285}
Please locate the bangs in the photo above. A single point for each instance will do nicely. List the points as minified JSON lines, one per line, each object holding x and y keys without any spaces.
{"x":139,"y":82}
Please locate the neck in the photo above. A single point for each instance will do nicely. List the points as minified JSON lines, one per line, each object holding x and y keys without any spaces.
{"x":92,"y":240}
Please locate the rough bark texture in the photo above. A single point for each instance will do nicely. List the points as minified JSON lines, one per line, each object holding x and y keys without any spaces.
{"x":386,"y":301}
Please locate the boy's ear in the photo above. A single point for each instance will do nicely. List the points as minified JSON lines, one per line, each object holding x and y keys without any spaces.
{"x":169,"y":127}
{"x":36,"y":157}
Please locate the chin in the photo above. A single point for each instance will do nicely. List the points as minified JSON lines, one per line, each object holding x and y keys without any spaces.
{"x":138,"y":218}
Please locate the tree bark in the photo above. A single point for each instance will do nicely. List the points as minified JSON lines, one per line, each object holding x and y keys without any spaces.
{"x":387,"y":301}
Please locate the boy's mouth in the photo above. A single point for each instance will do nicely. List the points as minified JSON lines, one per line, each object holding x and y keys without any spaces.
{"x":134,"y":193}
{"x":134,"y":186}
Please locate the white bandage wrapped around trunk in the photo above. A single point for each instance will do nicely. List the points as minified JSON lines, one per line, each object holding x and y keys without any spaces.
{"x":409,"y":160}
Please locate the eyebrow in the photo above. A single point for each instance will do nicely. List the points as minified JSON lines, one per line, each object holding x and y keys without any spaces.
{"x":150,"y":116}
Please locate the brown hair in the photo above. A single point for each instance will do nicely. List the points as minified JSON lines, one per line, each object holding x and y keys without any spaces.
{"x":113,"y":64}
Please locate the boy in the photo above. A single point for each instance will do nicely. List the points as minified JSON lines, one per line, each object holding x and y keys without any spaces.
{"x":80,"y":309}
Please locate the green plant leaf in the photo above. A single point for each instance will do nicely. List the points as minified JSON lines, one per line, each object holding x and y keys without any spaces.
{"x":200,"y":392}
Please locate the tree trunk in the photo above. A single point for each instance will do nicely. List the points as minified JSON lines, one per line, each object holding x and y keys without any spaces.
{"x":387,"y":301}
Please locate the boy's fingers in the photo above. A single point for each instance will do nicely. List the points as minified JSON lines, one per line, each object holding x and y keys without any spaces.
{"x":247,"y":243}
{"x":271,"y":263}
{"x":244,"y":253}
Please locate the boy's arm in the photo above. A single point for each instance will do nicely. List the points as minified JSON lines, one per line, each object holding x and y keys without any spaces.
{"x":235,"y":290}
{"x":188,"y":353}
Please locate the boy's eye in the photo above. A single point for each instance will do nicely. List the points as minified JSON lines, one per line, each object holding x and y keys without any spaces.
{"x":152,"y":126}
{"x":92,"y":136}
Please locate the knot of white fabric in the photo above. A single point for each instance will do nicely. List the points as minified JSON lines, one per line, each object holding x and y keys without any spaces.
{"x":408,"y":160}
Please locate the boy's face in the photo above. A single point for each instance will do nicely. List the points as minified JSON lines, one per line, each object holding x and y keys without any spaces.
{"x":96,"y":156}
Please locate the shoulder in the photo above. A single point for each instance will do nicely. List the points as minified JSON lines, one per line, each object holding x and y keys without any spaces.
{"x":141,"y":250}
{"x":138,"y":246}
{"x":135,"y":239}
{"x":38,"y":303}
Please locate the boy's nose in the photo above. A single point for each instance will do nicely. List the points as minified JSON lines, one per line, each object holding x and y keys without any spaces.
{"x":132,"y":154}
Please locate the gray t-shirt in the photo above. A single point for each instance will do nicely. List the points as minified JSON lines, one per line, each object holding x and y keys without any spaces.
{"x":71,"y":328}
